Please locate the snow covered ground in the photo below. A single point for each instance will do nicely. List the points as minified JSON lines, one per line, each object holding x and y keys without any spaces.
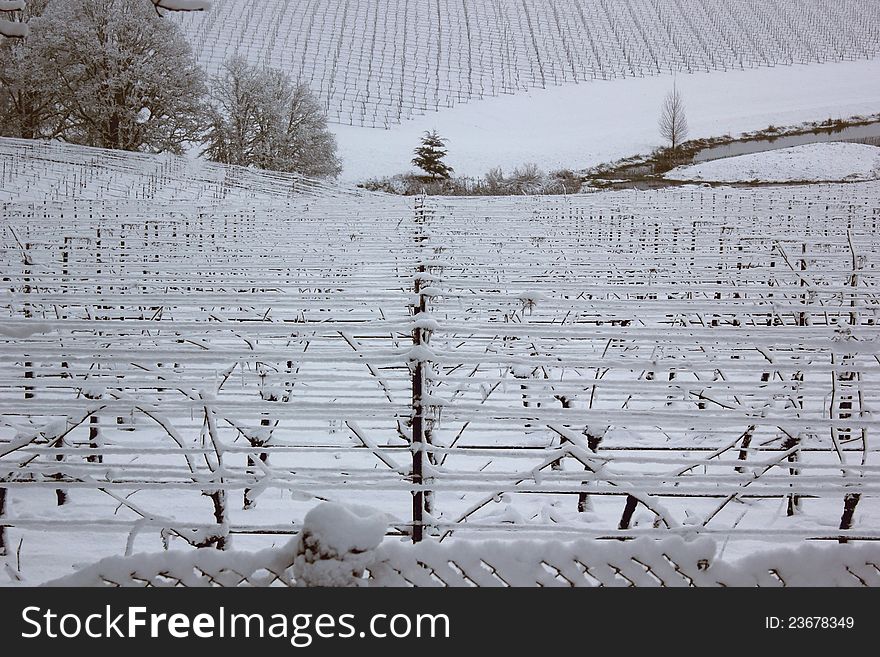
{"x":581,"y":125}
{"x":379,"y":62}
{"x":54,"y":171}
{"x":832,"y":161}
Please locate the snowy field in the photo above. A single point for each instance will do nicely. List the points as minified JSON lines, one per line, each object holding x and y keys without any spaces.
{"x":583,"y":125}
{"x":827,"y":162}
{"x":52,"y":171}
{"x":690,"y":362}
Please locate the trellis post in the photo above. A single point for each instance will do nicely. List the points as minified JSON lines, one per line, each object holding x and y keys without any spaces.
{"x":421,"y":339}
{"x":26,"y":289}
{"x":848,"y":379}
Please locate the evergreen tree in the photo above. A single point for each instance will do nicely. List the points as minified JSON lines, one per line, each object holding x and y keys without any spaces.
{"x":429,"y":156}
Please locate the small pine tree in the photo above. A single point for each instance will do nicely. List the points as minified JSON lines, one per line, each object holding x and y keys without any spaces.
{"x":429,"y":156}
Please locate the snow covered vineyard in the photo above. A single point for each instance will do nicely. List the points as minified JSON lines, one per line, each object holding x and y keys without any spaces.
{"x":378,"y":62}
{"x":56,"y":171}
{"x":692,"y":362}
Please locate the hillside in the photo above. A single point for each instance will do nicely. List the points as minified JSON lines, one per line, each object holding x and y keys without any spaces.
{"x":564,"y":84}
{"x":379,"y":62}
{"x":583,"y":125}
{"x":36,"y":170}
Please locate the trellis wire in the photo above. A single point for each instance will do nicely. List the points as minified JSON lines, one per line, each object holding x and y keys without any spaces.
{"x":700,"y":354}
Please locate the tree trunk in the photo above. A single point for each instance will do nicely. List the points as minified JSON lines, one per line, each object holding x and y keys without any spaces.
{"x":850,"y":502}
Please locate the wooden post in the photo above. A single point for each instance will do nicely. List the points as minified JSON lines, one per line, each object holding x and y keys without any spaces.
{"x":593,"y":440}
{"x":803,"y":317}
{"x":94,"y":431}
{"x":250,"y":500}
{"x":847,"y":379}
{"x":98,"y":268}
{"x":420,"y":339}
{"x":628,"y":510}
{"x":60,"y":493}
{"x":65,"y":265}
{"x":26,"y":289}
{"x":793,"y":503}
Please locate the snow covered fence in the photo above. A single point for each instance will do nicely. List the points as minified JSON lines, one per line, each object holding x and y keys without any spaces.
{"x":342,"y":546}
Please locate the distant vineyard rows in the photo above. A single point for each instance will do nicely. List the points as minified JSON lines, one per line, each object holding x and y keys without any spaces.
{"x":379,"y":62}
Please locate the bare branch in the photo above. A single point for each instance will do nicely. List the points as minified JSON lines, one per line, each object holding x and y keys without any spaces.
{"x":673,"y":123}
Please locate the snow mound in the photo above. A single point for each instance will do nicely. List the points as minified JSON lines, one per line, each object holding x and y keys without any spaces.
{"x":336,"y":545}
{"x":825,"y":162}
{"x":349,"y":528}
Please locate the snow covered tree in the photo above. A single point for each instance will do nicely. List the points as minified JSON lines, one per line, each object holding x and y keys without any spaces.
{"x":673,"y":123}
{"x":27,"y":85}
{"x":261,"y":118}
{"x":429,"y":156}
{"x":124,"y":78}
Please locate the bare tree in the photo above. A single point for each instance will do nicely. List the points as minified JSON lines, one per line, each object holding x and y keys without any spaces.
{"x":260,"y":117}
{"x":527,"y":179}
{"x":673,"y":123}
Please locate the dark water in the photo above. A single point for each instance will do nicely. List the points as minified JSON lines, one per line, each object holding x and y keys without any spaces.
{"x":863,"y":134}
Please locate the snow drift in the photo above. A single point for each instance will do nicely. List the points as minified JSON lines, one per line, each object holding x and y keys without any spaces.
{"x":826,"y":162}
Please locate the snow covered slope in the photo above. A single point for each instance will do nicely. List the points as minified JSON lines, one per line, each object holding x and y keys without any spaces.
{"x":563,"y":84}
{"x":37,"y":170}
{"x":377,"y":62}
{"x":579,"y":126}
{"x":828,"y":162}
